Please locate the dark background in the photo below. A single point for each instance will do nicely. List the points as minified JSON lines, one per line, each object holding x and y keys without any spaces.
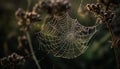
{"x":99,"y":55}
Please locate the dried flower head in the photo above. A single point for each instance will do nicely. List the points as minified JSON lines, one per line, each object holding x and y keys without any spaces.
{"x":101,"y":15}
{"x":20,"y":13}
{"x":33,"y":16}
{"x":12,"y":61}
{"x":110,"y":3}
{"x":53,"y":7}
{"x":25,"y":18}
{"x":106,"y":2}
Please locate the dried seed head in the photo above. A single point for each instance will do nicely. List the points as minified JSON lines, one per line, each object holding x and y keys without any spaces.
{"x":112,"y":15}
{"x":110,"y":20}
{"x":93,"y":6}
{"x":105,"y":14}
{"x":89,"y":8}
{"x":102,"y":15}
{"x":45,"y":6}
{"x":98,"y":5}
{"x":33,"y":16}
{"x":4,"y":61}
{"x":20,"y":13}
{"x":106,"y":2}
{"x":36,"y":8}
{"x":54,"y":7}
{"x":25,"y":18}
{"x":12,"y":60}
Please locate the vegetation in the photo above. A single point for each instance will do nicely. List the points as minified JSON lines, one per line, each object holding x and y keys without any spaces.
{"x":59,"y":34}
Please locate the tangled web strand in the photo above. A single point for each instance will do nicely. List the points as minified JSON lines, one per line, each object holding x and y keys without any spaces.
{"x":65,"y":37}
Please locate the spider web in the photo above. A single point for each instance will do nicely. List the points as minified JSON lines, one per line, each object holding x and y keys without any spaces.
{"x":65,"y":37}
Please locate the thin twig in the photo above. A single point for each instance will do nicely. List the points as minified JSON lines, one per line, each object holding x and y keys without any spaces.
{"x":116,"y":51}
{"x":32,"y":51}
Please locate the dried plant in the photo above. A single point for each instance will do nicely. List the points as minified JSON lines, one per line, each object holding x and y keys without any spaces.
{"x":60,"y":34}
{"x":12,"y":61}
{"x":107,"y":12}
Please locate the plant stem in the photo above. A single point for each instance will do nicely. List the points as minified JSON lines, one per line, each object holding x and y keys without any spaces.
{"x":32,"y":51}
{"x":117,"y":55}
{"x":115,"y":45}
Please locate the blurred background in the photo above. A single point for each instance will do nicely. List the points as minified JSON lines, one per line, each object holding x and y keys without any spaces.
{"x":99,"y":55}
